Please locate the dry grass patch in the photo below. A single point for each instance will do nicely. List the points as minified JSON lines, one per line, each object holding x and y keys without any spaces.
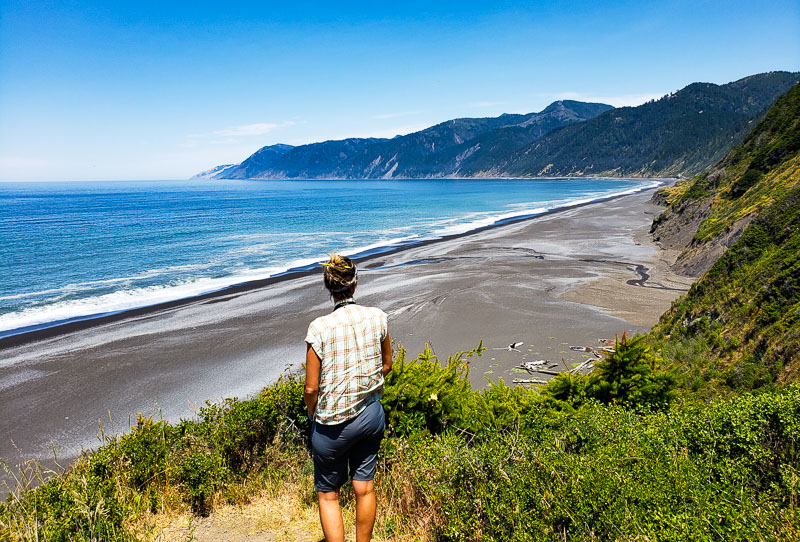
{"x":287,"y":515}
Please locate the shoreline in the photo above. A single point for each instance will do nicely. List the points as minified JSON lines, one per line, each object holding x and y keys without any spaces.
{"x":552,"y":281}
{"x":28,"y":334}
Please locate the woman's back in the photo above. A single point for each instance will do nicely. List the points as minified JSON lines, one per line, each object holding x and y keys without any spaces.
{"x":348,"y":343}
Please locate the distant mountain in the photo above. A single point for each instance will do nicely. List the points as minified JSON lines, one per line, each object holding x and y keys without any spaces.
{"x":258,"y":162}
{"x":682,"y":133}
{"x":739,"y":224}
{"x":438,"y":151}
{"x":211,"y":173}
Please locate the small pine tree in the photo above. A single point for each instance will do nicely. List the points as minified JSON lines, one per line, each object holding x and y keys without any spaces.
{"x":629,"y":375}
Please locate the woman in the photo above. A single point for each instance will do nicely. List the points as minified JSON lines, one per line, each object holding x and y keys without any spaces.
{"x":348,"y":353}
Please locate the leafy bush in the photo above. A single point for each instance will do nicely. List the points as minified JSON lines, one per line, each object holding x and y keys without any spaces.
{"x":201,"y":473}
{"x":422,"y":394}
{"x":631,"y":375}
{"x":144,"y":451}
{"x":241,"y":430}
{"x":500,"y":407}
{"x":567,"y":389}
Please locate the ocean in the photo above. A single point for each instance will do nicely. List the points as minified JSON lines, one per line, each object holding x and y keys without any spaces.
{"x":77,"y":250}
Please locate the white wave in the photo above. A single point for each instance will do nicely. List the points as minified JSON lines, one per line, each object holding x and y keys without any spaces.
{"x":275,"y":235}
{"x":481,"y":220}
{"x":129,"y":299}
{"x":67,"y":289}
{"x":121,"y":300}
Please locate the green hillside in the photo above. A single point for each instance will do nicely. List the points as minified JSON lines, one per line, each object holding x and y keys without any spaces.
{"x":739,"y":325}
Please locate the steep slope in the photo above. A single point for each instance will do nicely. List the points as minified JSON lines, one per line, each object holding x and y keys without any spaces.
{"x":434,"y":152}
{"x":739,"y":325}
{"x":682,"y":133}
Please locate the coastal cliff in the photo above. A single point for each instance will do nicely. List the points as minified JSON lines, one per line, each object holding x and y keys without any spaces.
{"x":738,"y":224}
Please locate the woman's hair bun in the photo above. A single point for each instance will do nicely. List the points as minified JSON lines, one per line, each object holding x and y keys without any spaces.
{"x":340,"y":273}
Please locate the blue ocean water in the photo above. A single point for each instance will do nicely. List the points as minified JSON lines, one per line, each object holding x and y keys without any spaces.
{"x":79,"y":249}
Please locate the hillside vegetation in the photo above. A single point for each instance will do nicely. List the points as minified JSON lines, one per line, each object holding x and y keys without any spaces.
{"x":613,"y":455}
{"x":739,"y":325}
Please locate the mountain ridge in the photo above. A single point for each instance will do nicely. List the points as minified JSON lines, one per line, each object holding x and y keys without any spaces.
{"x":436,"y":151}
{"x":679,"y":134}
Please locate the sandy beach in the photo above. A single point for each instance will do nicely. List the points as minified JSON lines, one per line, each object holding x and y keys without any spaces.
{"x":564,"y":279}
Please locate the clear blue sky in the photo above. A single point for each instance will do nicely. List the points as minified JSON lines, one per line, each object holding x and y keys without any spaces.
{"x":162,"y":90}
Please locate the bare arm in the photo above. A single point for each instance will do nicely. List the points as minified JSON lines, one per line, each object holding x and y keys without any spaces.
{"x":386,"y":354}
{"x":311,"y":393}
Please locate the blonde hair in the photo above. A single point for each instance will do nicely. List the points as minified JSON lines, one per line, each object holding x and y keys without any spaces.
{"x":340,"y":276}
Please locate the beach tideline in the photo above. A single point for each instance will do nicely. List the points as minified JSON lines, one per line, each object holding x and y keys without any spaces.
{"x":550,"y":282}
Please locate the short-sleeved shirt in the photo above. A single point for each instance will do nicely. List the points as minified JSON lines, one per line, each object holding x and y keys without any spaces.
{"x":348,"y":343}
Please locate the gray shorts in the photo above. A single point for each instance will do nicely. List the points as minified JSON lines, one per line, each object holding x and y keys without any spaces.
{"x":349,"y":447}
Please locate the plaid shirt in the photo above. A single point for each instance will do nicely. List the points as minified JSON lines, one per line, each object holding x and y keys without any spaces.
{"x":348,"y":343}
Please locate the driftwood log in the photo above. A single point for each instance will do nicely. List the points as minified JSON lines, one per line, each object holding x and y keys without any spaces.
{"x":583,"y":365}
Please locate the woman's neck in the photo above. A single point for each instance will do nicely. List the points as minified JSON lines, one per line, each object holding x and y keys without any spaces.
{"x":342,"y":302}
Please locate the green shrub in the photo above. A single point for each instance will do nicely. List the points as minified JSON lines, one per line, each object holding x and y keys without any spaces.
{"x":144,"y":451}
{"x":500,"y":407}
{"x":722,"y":471}
{"x":629,"y":375}
{"x":568,"y":390}
{"x":78,"y":506}
{"x":240,"y":430}
{"x":423,"y":394}
{"x":201,"y":473}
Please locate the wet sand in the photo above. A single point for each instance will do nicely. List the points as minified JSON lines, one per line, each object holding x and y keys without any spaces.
{"x":567,"y":278}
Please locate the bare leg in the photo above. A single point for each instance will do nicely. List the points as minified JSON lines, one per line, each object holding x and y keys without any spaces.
{"x":365,"y":509}
{"x":330,"y":515}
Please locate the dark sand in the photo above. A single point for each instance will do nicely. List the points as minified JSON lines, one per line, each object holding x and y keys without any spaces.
{"x":549,"y":282}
